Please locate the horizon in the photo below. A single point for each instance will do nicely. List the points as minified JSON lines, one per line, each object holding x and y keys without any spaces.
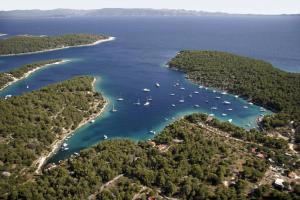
{"x":256,"y":7}
{"x":170,"y":9}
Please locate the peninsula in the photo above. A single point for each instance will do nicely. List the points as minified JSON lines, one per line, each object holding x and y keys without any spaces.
{"x":34,"y":124}
{"x":254,"y":80}
{"x":8,"y":78}
{"x":27,"y":44}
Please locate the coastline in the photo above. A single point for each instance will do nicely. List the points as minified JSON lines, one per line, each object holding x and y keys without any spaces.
{"x":29,"y":73}
{"x":56,"y":145}
{"x":60,"y":48}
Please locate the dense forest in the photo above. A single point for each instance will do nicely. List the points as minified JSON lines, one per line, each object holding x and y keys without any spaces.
{"x":30,"y":123}
{"x":254,"y":80}
{"x":187,"y":161}
{"x":28,"y":44}
{"x":6,"y":77}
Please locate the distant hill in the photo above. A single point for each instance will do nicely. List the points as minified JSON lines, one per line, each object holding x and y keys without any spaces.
{"x":108,"y":12}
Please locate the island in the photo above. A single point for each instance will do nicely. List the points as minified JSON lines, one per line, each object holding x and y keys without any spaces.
{"x":194,"y":157}
{"x":254,"y":80}
{"x":33,"y":126}
{"x":10,"y":77}
{"x":27,"y":44}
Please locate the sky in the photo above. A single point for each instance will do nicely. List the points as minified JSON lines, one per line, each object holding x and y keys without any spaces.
{"x":229,"y":6}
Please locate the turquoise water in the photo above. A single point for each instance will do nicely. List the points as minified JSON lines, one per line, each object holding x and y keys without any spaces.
{"x":136,"y":60}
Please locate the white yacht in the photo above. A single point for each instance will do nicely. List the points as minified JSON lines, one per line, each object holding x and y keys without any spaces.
{"x":157,"y":84}
{"x":173,"y":105}
{"x":226,"y":102}
{"x":146,"y":90}
{"x":147,"y":103}
{"x":181,"y":100}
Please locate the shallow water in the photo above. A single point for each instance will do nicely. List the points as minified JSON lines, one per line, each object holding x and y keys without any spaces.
{"x":136,"y":60}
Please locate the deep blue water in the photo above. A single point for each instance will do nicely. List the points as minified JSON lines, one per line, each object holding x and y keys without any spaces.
{"x":137,"y":58}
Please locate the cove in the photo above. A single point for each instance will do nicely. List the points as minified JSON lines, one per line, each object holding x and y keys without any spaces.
{"x":136,"y":60}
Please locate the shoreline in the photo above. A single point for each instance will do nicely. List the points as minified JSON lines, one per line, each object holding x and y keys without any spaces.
{"x":56,"y":145}
{"x":29,"y":73}
{"x":60,"y":48}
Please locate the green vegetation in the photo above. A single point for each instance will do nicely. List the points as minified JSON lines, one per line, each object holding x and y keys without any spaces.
{"x":7,"y":77}
{"x":28,"y":44}
{"x":186,"y":161}
{"x":252,"y":79}
{"x":30,"y":123}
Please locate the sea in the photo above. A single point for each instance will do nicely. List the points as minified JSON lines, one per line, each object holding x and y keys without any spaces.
{"x":137,"y":59}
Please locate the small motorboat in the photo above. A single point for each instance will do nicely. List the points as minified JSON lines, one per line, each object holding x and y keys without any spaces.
{"x":230,"y":120}
{"x":146,"y":90}
{"x":173,"y":105}
{"x":105,"y":137}
{"x":224,"y":114}
{"x":172,"y":94}
{"x":218,"y":97}
{"x":182,"y":88}
{"x":92,"y":121}
{"x":196,"y":105}
{"x":245,"y":107}
{"x":196,"y":92}
{"x":224,"y":93}
{"x":214,"y":108}
{"x":157,"y":84}
{"x":190,"y":95}
{"x":230,"y":109}
{"x":147,"y":103}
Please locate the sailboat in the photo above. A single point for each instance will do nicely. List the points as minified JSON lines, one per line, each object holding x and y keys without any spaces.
{"x":113,"y":109}
{"x":138,"y":102}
